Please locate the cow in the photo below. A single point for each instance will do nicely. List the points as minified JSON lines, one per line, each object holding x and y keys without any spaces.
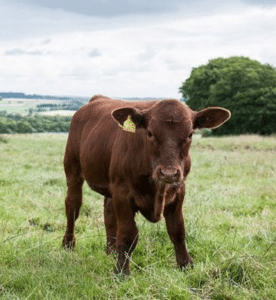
{"x":135,"y":154}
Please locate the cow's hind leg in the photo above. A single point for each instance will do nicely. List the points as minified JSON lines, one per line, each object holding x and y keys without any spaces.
{"x":110,"y":225}
{"x":73,"y":200}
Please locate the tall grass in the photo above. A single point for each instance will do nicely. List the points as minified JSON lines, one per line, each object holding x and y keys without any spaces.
{"x":230,"y":223}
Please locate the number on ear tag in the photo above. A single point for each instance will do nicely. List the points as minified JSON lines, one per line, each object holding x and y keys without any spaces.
{"x":129,"y":125}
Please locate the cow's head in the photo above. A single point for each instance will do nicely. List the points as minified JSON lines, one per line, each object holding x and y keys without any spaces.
{"x":168,"y":127}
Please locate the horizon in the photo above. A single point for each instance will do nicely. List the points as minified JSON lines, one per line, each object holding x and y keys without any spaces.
{"x":66,"y":96}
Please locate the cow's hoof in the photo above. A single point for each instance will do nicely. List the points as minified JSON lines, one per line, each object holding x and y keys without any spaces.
{"x":68,"y":243}
{"x":121,"y":274}
{"x":188,"y":264}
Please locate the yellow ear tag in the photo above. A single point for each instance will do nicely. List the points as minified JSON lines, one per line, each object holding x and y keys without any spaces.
{"x":129,"y":125}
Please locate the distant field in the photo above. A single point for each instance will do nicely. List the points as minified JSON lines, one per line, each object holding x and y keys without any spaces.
{"x":22,"y":106}
{"x":230,"y":212}
{"x":58,"y":113}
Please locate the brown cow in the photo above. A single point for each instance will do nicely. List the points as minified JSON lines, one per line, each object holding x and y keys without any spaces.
{"x":140,"y":165}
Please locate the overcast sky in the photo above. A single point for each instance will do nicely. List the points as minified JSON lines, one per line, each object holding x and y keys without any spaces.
{"x":125,"y":48}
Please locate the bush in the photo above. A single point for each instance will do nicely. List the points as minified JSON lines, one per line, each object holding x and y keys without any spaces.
{"x":3,"y":140}
{"x":24,"y":127}
{"x":206,"y":132}
{"x":10,"y":123}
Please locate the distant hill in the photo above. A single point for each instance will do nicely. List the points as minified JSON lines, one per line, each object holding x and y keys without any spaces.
{"x":47,"y":97}
{"x":34,"y":96}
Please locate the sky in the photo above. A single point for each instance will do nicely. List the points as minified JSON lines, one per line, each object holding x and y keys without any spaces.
{"x":125,"y":48}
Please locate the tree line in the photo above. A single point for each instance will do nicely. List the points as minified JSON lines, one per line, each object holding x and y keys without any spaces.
{"x":34,"y":96}
{"x":16,"y":123}
{"x":70,"y":105}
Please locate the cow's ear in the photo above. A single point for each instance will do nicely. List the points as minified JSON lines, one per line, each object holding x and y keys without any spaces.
{"x":211,"y":117}
{"x":129,"y":118}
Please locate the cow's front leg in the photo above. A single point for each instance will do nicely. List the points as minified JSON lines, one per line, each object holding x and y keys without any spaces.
{"x":176,"y":230}
{"x":110,"y":225}
{"x":127,"y":233}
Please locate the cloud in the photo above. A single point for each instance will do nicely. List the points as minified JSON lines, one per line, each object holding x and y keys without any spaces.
{"x":45,"y":42}
{"x":127,"y":56}
{"x":35,"y":18}
{"x":95,"y":53}
{"x":23,"y":52}
{"x":111,"y":8}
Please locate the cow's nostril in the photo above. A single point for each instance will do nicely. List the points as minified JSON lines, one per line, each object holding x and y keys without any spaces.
{"x":169,"y":173}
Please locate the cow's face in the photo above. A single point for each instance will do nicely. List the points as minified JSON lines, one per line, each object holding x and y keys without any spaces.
{"x":169,"y":133}
{"x":168,"y":128}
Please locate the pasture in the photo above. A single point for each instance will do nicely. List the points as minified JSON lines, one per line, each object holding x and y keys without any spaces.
{"x":230,"y":213}
{"x":22,"y":106}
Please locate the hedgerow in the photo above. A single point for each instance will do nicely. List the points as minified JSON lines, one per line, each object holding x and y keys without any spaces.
{"x":16,"y":123}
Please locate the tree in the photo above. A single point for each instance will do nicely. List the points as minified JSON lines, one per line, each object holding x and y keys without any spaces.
{"x":244,"y":86}
{"x":24,"y":127}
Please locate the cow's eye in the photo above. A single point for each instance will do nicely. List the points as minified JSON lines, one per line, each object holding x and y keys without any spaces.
{"x":190,"y":136}
{"x":149,"y":134}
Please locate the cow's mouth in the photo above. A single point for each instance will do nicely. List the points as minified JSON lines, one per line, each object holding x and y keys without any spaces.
{"x":169,"y":182}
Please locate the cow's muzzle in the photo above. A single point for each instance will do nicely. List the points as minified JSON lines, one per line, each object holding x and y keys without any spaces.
{"x":169,"y":175}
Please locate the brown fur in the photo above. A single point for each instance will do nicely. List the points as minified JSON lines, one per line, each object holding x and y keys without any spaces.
{"x":136,"y":172}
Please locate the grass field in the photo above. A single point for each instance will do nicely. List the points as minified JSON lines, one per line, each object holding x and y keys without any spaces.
{"x":22,"y":106}
{"x":230,"y":213}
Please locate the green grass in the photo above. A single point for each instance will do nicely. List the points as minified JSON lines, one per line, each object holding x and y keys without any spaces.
{"x":230,"y":212}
